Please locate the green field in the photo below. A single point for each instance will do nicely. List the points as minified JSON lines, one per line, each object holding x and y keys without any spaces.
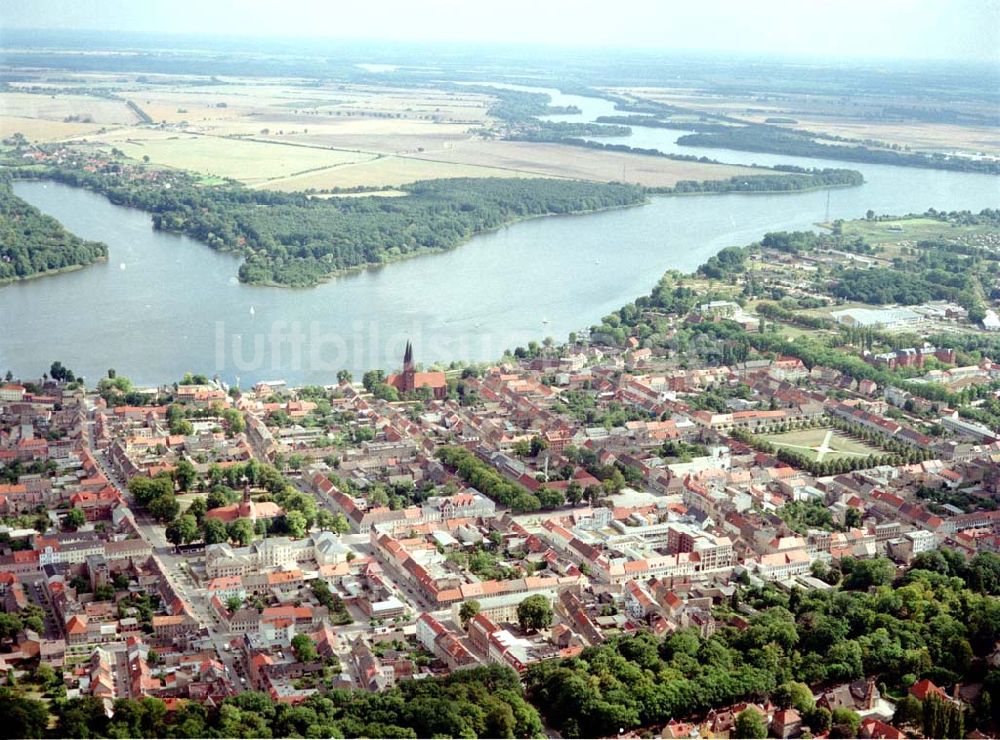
{"x":909,"y":229}
{"x":251,"y":162}
{"x":822,"y":444}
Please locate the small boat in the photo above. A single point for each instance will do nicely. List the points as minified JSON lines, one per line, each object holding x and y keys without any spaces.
{"x":545,"y":321}
{"x":252,"y":311}
{"x":121,"y":266}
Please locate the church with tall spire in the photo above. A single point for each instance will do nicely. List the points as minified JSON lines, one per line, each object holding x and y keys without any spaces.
{"x":410,"y":380}
{"x":408,"y":359}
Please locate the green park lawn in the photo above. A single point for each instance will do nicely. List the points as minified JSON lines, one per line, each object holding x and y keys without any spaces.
{"x":822,"y":444}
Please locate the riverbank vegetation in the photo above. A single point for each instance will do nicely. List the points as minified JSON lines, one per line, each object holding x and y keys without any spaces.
{"x":778,"y":140}
{"x":792,"y":179}
{"x":33,"y":244}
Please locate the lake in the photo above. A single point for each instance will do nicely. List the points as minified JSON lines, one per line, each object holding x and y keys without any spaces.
{"x":164,"y":304}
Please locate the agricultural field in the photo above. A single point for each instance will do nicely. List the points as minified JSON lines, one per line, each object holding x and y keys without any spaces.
{"x":929,"y":137}
{"x":386,"y":172}
{"x":825,"y":114}
{"x":41,"y":129}
{"x":293,"y":134}
{"x":822,"y":444}
{"x":382,"y":135}
{"x":555,"y":160}
{"x":83,"y":108}
{"x":250,"y":162}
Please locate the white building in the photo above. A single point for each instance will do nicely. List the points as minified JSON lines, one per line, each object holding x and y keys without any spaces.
{"x":887,"y":318}
{"x":922,"y":540}
{"x":323,"y":548}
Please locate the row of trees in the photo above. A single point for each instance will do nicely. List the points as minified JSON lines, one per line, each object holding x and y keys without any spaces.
{"x":487,"y":480}
{"x":895,"y":451}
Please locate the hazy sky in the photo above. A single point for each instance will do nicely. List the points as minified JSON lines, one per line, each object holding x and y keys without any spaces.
{"x":956,"y":29}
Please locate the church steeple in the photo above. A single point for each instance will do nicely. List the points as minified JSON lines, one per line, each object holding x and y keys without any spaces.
{"x":408,"y":358}
{"x":409,"y":374}
{"x":246,"y":505}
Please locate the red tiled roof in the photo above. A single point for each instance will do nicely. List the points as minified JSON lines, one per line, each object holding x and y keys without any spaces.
{"x":922,"y":688}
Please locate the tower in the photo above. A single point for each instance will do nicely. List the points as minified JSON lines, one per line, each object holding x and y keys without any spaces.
{"x":409,"y":372}
{"x":246,"y":505}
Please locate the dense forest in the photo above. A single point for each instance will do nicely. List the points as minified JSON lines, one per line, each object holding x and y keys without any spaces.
{"x":938,"y":621}
{"x":513,"y":106}
{"x":297,"y":240}
{"x":480,"y":702}
{"x":891,"y":285}
{"x":520,"y":110}
{"x":794,"y":179}
{"x":777,"y":140}
{"x":550,"y":131}
{"x":33,"y":244}
{"x":654,"y":122}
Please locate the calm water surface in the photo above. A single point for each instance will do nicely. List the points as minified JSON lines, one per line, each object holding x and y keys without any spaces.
{"x":164,"y":305}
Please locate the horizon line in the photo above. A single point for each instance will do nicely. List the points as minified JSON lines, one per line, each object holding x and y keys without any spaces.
{"x":479,"y":45}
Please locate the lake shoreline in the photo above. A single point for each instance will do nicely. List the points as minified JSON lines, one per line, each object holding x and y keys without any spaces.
{"x":51,"y":273}
{"x":431,"y":251}
{"x":651,"y":193}
{"x":467,"y":304}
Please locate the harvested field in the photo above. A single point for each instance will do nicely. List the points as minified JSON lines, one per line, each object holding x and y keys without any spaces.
{"x":384,"y":172}
{"x":39,"y":129}
{"x":824,"y":115}
{"x":937,"y":137}
{"x":60,"y":107}
{"x":385,"y":136}
{"x":555,"y":160}
{"x":251,"y":162}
